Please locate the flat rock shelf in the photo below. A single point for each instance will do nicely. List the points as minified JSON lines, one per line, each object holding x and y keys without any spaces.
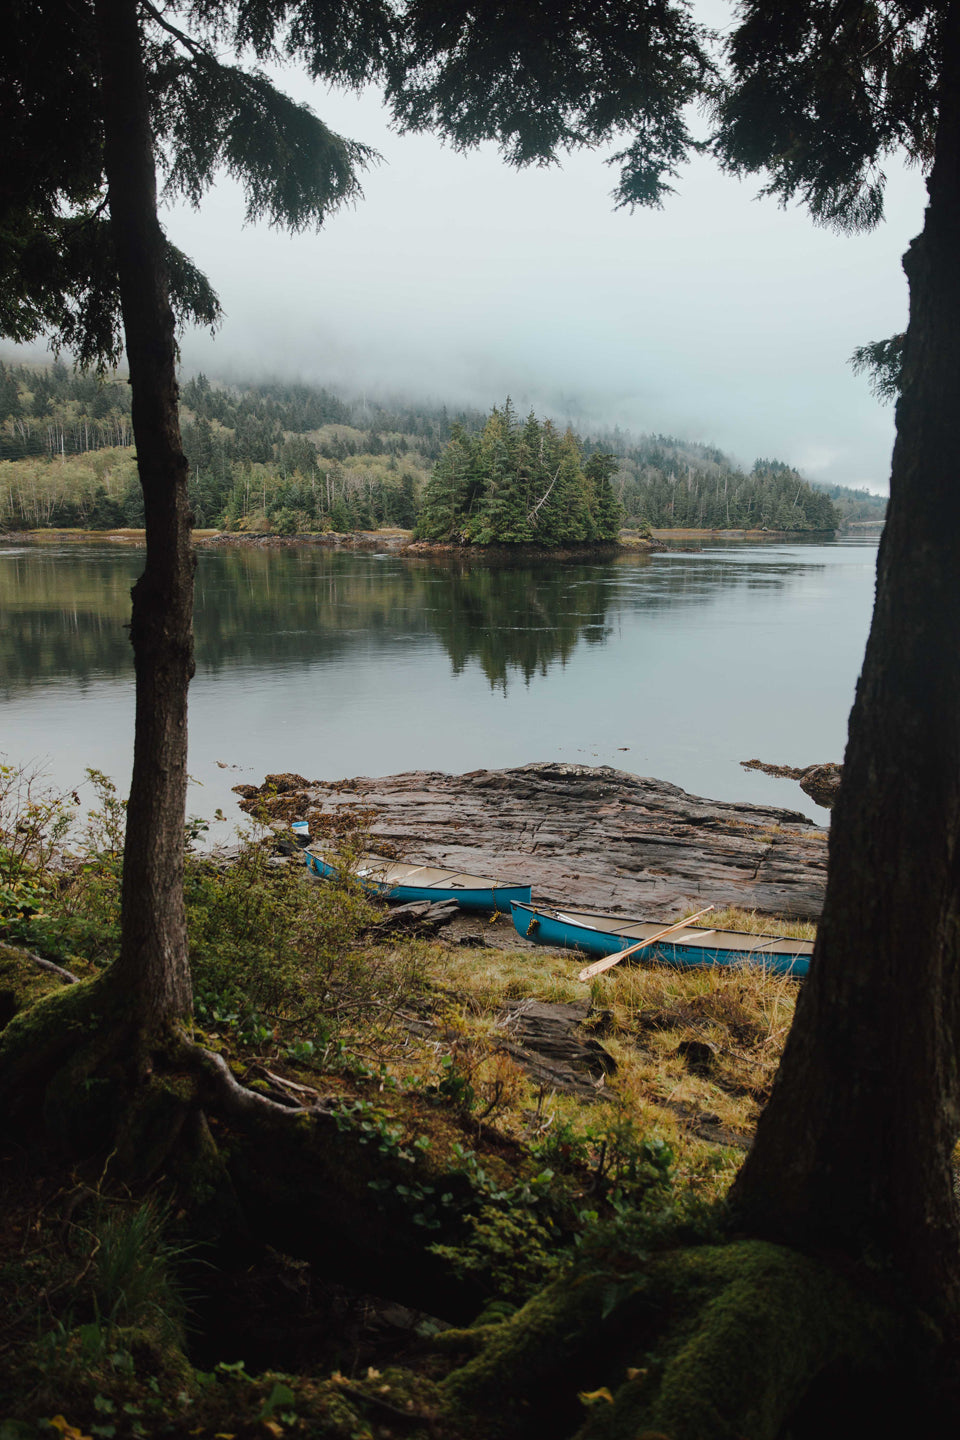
{"x":581,"y":835}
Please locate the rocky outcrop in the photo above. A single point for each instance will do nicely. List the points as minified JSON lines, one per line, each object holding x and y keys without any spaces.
{"x":548,"y":1040}
{"x":820,"y":782}
{"x":580,"y":835}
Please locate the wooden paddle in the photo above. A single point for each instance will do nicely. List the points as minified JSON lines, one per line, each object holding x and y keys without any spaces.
{"x":608,"y":961}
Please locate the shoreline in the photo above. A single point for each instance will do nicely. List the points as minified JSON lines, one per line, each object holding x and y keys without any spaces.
{"x":587,"y":835}
{"x":401,"y":542}
{"x":734,"y":534}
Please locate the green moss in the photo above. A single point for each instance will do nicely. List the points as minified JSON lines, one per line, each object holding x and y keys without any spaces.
{"x":711,"y":1343}
{"x":22,"y":983}
{"x":39,"y":1038}
{"x":70,"y":1061}
{"x":752,"y":1327}
{"x":516,"y":1373}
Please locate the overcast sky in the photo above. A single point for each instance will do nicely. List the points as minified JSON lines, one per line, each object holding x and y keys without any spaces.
{"x":720,"y":318}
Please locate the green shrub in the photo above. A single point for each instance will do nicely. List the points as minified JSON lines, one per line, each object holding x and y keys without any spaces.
{"x":510,"y":1251}
{"x":271,"y":950}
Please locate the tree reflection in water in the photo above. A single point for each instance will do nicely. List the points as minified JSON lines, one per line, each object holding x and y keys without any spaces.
{"x":65,"y":607}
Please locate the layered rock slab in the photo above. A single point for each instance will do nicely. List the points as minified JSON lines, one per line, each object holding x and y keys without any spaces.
{"x":581,"y":835}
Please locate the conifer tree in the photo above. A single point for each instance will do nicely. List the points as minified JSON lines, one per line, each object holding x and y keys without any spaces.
{"x":97,"y":94}
{"x":572,"y":517}
{"x":607,"y":510}
{"x":502,"y":518}
{"x":853,"y":1153}
{"x":446,"y":494}
{"x":136,"y":89}
{"x":529,"y":452}
{"x":515,"y":486}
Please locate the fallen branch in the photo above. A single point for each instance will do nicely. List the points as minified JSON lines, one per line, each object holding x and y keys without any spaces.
{"x":419,"y":916}
{"x":532,"y":514}
{"x":288,"y":1084}
{"x":363,"y":1397}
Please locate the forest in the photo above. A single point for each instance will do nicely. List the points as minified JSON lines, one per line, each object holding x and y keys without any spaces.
{"x":298,"y":458}
{"x":670,"y":485}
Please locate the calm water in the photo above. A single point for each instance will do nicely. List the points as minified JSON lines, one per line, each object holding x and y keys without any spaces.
{"x":678,"y":665}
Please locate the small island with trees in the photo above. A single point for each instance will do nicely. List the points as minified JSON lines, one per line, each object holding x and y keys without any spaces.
{"x":518,"y":484}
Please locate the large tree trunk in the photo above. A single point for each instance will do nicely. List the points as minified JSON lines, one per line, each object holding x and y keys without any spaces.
{"x":152,"y":969}
{"x":853,"y":1152}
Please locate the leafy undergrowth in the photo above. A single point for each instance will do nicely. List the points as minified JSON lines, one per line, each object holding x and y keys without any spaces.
{"x":99,"y":1316}
{"x":117,"y":1324}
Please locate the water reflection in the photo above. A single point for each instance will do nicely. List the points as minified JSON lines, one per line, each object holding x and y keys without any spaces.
{"x":517,"y":618}
{"x":677,"y":666}
{"x":65,"y":608}
{"x":63,"y":613}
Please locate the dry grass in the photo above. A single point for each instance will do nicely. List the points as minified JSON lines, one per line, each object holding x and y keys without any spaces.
{"x":696,"y":1050}
{"x":750,"y":923}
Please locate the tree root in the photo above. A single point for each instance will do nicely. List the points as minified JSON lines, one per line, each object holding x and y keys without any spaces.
{"x":716,"y":1343}
{"x":62,"y":1040}
{"x":322,"y":1181}
{"x":66,"y":975}
{"x":221,"y":1093}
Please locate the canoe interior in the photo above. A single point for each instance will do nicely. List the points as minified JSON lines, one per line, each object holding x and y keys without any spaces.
{"x":630,"y":931}
{"x":375,"y":870}
{"x":596,"y":934}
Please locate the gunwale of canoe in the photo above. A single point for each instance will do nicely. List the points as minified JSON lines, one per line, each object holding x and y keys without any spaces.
{"x":379,"y":871}
{"x":694,"y":935}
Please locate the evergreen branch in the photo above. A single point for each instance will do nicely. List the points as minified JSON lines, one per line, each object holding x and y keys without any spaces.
{"x":294,"y":170}
{"x":882,"y":363}
{"x":892,"y":35}
{"x":195,"y":48}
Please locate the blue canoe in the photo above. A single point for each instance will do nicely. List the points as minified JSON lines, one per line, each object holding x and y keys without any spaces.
{"x":394,"y":880}
{"x":600,"y":935}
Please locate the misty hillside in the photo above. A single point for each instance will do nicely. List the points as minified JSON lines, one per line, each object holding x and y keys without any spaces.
{"x":293,"y":457}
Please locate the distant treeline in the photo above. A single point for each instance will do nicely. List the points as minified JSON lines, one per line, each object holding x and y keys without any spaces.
{"x":515,"y":484}
{"x":667,"y":486}
{"x":856,"y":506}
{"x":291,"y":457}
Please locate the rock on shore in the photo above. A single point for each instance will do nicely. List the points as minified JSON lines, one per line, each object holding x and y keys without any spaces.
{"x":581,"y":835}
{"x":820,"y":782}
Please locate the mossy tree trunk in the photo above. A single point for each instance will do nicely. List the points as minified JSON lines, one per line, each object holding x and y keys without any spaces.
{"x":853,"y":1152}
{"x":152,"y":971}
